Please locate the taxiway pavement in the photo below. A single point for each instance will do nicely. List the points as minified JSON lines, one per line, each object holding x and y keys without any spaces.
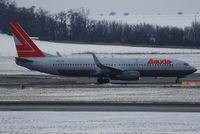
{"x":116,"y":107}
{"x":51,"y":80}
{"x":55,"y":93}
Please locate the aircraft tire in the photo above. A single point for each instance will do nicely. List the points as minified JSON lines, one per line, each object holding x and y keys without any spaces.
{"x":100,"y":81}
{"x":106,"y":80}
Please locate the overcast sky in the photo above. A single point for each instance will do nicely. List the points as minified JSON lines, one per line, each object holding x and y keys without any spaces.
{"x":120,"y":6}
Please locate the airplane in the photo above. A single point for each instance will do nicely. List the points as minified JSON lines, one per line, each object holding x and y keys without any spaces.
{"x":105,"y":69}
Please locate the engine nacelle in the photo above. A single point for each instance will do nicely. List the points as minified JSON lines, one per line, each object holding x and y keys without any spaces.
{"x":130,"y":75}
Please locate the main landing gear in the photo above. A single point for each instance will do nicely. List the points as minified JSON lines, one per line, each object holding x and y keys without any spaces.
{"x":103,"y":80}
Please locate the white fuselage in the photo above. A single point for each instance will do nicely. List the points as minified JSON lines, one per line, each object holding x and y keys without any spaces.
{"x":149,"y":67}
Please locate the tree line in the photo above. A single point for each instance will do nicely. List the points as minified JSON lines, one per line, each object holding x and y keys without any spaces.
{"x":74,"y":25}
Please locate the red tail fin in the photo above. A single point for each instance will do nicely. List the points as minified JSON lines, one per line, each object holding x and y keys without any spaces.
{"x":24,"y":45}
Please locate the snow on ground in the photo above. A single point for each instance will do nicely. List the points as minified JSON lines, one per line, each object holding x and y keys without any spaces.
{"x":7,"y":48}
{"x":99,"y":123}
{"x":112,"y":94}
{"x":162,"y":20}
{"x":8,"y":66}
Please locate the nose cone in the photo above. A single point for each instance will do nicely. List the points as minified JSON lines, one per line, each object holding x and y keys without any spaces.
{"x":193,"y":69}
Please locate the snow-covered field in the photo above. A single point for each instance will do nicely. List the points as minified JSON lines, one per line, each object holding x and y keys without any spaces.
{"x":99,"y":123}
{"x":162,"y":20}
{"x":8,"y":66}
{"x":7,"y":48}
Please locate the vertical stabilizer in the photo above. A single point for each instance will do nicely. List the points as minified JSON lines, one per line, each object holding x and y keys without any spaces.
{"x":24,"y":45}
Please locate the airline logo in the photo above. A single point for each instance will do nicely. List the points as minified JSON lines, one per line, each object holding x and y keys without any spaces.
{"x":152,"y":61}
{"x":25,"y":46}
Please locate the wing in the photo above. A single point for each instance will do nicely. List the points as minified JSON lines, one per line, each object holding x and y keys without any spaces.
{"x":105,"y":69}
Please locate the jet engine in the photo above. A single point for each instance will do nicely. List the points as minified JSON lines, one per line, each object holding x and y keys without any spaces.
{"x":130,"y":75}
{"x":127,"y":76}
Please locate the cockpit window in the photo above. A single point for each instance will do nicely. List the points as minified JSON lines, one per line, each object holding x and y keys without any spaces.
{"x":186,"y":64}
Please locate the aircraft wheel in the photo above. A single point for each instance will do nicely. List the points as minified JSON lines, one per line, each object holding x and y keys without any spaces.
{"x":100,"y":81}
{"x":106,"y":80}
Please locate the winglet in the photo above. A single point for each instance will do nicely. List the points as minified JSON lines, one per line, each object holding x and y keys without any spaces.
{"x":97,"y":62}
{"x":103,"y":67}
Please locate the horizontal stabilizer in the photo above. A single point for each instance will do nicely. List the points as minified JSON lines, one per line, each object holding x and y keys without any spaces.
{"x":23,"y":60}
